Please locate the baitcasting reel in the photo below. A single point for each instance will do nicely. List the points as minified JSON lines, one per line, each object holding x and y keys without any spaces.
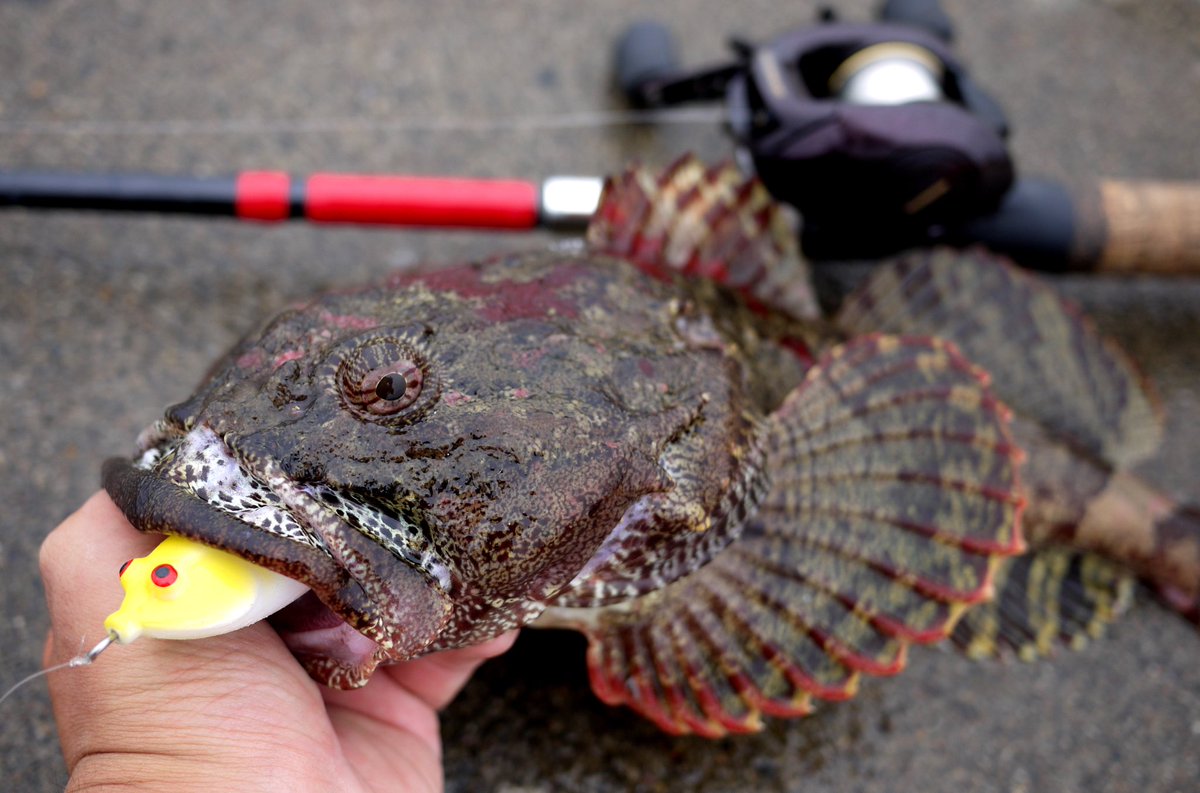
{"x":858,"y":125}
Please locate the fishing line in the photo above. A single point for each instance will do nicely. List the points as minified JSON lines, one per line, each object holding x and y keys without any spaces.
{"x":249,"y":126}
{"x":83,"y":659}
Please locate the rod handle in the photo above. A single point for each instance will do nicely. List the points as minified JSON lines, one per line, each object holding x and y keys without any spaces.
{"x":1142,"y":227}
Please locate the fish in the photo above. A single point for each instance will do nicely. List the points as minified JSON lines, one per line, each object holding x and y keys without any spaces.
{"x":659,"y":440}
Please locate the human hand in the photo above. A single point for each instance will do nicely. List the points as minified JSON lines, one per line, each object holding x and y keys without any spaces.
{"x":228,"y":713}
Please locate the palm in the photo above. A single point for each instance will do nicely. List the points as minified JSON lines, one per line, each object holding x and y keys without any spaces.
{"x":389,"y":732}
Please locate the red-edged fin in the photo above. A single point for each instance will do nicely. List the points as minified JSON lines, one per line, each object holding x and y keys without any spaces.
{"x":1051,"y":597}
{"x":695,"y":221}
{"x":1083,"y":414}
{"x":894,"y":490}
{"x":894,"y":494}
{"x":703,"y":658}
{"x":1047,"y":361}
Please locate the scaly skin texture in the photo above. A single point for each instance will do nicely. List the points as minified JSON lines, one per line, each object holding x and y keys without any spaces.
{"x":557,"y":395}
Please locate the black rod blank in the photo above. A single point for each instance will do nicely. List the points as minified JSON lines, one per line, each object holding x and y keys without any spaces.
{"x":122,"y":192}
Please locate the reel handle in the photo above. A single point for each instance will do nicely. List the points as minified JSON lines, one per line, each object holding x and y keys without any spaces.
{"x":645,"y":54}
{"x":927,"y":14}
{"x":646,"y":62}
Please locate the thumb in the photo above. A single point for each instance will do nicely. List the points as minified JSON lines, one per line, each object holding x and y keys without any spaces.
{"x":79,"y":563}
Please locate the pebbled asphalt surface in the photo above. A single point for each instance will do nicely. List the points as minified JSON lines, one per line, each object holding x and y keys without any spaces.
{"x":105,"y":320}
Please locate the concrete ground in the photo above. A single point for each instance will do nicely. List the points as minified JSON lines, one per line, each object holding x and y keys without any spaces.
{"x":105,"y":320}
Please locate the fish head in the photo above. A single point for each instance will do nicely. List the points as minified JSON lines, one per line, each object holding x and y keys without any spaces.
{"x":434,"y":457}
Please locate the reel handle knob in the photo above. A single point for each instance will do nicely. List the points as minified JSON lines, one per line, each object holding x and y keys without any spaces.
{"x":927,"y":14}
{"x":645,"y":55}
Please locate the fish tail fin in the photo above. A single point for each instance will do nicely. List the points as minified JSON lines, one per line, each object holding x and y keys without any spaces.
{"x":1046,"y":597}
{"x":1177,"y":534}
{"x":894,"y":494}
{"x":1146,"y":530}
{"x":692,"y":220}
{"x":1078,"y":504}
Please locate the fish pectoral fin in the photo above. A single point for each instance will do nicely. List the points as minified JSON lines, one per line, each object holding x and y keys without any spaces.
{"x":1083,"y":413}
{"x":1049,"y":597}
{"x":894,"y":494}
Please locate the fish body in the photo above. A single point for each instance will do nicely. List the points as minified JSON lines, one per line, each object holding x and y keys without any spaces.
{"x":656,"y":441}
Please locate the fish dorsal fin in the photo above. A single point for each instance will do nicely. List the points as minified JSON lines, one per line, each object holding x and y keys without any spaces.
{"x":1046,"y":359}
{"x":705,"y":222}
{"x":894,"y":494}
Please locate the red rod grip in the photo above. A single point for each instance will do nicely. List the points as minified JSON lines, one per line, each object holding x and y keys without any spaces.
{"x":262,"y":195}
{"x":421,"y":201}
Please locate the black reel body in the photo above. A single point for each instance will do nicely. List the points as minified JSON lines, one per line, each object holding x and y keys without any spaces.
{"x":873,"y":131}
{"x":902,"y":168}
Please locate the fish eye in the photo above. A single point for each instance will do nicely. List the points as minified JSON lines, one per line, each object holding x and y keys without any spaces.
{"x":387,"y":390}
{"x":386,"y":378}
{"x":164,"y":575}
{"x":124,"y":567}
{"x":391,"y":386}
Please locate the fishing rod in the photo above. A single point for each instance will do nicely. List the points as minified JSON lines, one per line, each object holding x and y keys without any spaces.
{"x":874,"y":131}
{"x":559,"y":202}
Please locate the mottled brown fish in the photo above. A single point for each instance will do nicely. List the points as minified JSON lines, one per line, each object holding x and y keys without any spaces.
{"x":656,"y":441}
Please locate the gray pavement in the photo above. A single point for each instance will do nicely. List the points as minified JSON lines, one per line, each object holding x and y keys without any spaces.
{"x":104,"y":321}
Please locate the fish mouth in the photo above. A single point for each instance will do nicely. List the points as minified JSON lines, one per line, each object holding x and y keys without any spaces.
{"x":193,"y":483}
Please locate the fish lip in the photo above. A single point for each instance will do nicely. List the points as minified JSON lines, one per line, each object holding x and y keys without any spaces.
{"x":153,"y":503}
{"x":193,"y":482}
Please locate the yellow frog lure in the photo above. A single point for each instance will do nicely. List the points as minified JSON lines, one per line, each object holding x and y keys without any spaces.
{"x":186,"y":590}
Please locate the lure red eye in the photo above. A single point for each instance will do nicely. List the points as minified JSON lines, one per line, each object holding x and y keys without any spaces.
{"x":125,"y":566}
{"x":163,"y":575}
